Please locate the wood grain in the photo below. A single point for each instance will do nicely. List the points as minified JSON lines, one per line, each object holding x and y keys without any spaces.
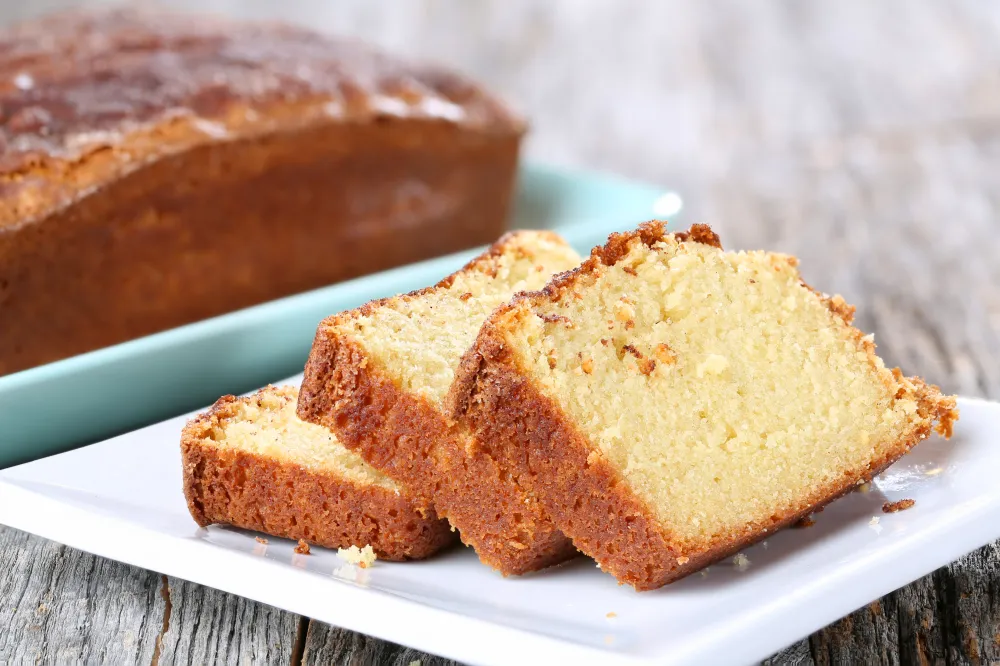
{"x":862,"y":137}
{"x":60,"y":606}
{"x":331,"y":645}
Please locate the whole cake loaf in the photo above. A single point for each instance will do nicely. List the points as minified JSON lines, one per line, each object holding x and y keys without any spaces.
{"x":157,"y":169}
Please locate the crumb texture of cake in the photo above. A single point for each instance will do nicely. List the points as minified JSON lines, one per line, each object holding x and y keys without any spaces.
{"x":378,"y":376}
{"x":670,"y":402}
{"x":252,"y":463}
{"x":420,"y":339}
{"x":217,"y":164}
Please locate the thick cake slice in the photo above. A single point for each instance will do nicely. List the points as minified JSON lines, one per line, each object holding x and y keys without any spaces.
{"x":670,"y":403}
{"x":378,"y":377}
{"x":250,"y":462}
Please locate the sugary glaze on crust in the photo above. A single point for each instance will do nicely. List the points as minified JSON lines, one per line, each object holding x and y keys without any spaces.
{"x":408,"y":438}
{"x":90,"y":95}
{"x":257,"y":492}
{"x":587,"y":497}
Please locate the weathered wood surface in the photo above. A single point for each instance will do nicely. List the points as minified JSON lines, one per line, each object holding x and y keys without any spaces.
{"x":863,"y":137}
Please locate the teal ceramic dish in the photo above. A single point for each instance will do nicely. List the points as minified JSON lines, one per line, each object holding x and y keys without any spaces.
{"x":62,"y":405}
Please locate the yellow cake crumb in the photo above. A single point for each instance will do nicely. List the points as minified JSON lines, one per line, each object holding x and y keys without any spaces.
{"x":363,"y":557}
{"x":741,"y":561}
{"x":714,"y":364}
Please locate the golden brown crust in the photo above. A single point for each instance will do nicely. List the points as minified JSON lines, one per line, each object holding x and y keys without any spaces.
{"x":88,"y":95}
{"x":254,"y":492}
{"x":411,"y":441}
{"x":609,"y":254}
{"x":587,"y":498}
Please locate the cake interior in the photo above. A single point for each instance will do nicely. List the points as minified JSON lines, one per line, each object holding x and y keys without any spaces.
{"x":265,"y":424}
{"x":419,"y":339}
{"x":725,"y":391}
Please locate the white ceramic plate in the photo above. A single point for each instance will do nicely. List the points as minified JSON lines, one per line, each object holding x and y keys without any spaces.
{"x":122,"y":499}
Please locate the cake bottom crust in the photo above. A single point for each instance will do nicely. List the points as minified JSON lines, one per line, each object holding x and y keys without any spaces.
{"x":409,"y":440}
{"x":587,"y":497}
{"x":253,"y":492}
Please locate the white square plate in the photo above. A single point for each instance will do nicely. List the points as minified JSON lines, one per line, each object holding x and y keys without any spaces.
{"x":122,"y":499}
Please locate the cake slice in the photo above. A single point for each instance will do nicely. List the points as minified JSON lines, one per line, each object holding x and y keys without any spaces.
{"x":378,"y":377}
{"x":670,"y":403}
{"x":250,"y":462}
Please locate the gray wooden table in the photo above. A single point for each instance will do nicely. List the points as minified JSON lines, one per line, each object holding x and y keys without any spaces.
{"x":863,"y":137}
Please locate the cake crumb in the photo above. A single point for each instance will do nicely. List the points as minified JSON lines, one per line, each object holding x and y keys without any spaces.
{"x":874,"y":520}
{"x":612,"y":614}
{"x":664,"y":354}
{"x":302,"y":548}
{"x":261,"y":540}
{"x":864,"y":487}
{"x":557,"y":319}
{"x":804,"y":522}
{"x":682,"y":560}
{"x":466,"y":296}
{"x":363,"y":557}
{"x":741,"y":561}
{"x":631,"y":271}
{"x":901,"y":505}
{"x":645,"y":365}
{"x":714,"y":364}
{"x":587,"y":365}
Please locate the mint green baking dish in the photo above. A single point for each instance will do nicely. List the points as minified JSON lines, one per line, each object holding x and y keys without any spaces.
{"x":62,"y":405}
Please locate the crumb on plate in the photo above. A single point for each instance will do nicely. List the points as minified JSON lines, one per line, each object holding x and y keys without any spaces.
{"x":302,"y":548}
{"x":901,"y":505}
{"x":363,"y":557}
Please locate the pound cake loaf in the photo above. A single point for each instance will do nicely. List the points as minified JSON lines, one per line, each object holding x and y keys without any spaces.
{"x":378,"y":377}
{"x":250,"y":462}
{"x":670,"y":403}
{"x":159,"y":168}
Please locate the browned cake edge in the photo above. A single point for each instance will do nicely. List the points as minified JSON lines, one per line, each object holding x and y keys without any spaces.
{"x":258,"y":493}
{"x":586,"y":496}
{"x":410,"y":440}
